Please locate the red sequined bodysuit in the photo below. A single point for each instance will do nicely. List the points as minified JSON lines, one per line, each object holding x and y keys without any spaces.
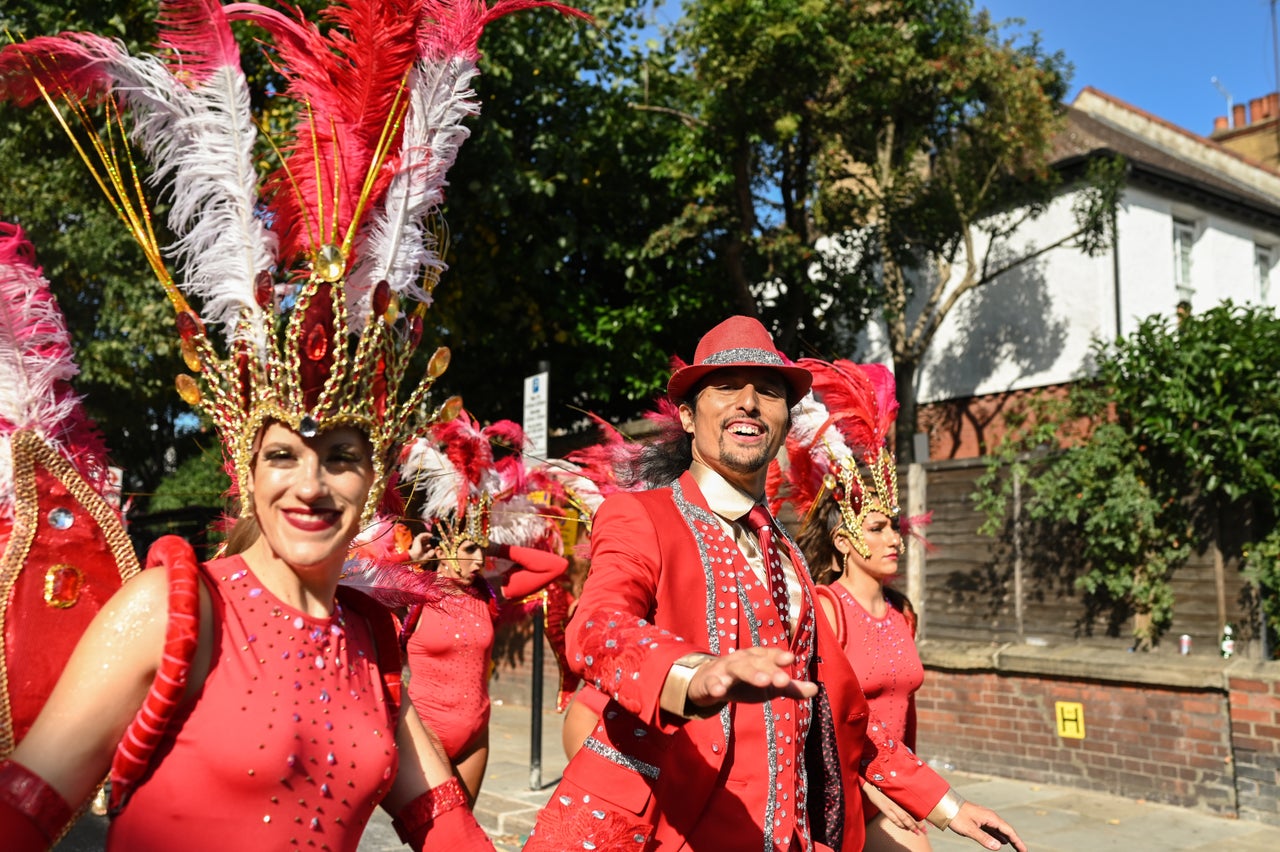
{"x":451,"y":645}
{"x":289,"y":744}
{"x":884,"y":656}
{"x":448,"y":656}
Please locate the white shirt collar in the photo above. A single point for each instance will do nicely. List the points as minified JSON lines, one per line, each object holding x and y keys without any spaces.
{"x":723,"y":497}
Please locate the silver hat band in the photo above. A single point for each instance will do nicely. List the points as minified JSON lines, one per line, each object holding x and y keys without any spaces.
{"x":744,"y":356}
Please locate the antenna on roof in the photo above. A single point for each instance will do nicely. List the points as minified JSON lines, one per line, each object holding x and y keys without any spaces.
{"x":1222,"y":90}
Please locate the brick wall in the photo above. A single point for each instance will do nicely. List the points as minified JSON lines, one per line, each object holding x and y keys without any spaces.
{"x":1197,"y":732}
{"x":1255,"y":739}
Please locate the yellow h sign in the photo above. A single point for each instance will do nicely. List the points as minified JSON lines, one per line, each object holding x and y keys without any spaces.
{"x":1070,"y":719}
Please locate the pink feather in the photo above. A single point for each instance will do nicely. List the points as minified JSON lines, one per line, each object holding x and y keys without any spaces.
{"x":467,"y":449}
{"x":72,"y":64}
{"x":37,"y":362}
{"x":850,"y":397}
{"x":348,"y":80}
{"x":453,"y":27}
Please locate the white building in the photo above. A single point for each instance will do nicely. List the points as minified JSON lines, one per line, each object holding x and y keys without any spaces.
{"x":1197,"y":224}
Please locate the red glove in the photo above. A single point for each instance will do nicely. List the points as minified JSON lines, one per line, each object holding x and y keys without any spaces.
{"x":441,"y":815}
{"x":32,"y":814}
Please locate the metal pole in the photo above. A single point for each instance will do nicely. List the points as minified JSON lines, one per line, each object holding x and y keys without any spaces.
{"x":1017,"y":557}
{"x":535,"y":698}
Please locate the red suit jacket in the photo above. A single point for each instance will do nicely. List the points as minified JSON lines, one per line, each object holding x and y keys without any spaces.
{"x":645,"y":778}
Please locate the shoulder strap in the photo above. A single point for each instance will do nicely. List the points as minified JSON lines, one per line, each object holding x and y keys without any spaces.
{"x":182,"y":634}
{"x":839,"y":628}
{"x":386,"y":640}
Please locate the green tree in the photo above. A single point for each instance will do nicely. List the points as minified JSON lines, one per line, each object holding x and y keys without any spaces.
{"x":550,"y":205}
{"x":1179,"y":449}
{"x":841,"y":158}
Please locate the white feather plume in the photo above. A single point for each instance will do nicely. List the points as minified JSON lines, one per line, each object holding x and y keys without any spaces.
{"x":425,"y":469}
{"x":223,"y":244}
{"x":517,"y":521}
{"x":397,"y":247}
{"x":807,"y":419}
{"x":29,"y":328}
{"x":200,"y":142}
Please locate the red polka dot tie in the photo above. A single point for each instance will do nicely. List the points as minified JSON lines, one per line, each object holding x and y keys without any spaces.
{"x":759,"y":522}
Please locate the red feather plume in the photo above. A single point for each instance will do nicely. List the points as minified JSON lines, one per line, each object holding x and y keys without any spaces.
{"x":350,"y":76}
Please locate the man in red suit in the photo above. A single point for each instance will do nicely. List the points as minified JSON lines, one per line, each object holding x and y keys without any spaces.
{"x":731,"y":726}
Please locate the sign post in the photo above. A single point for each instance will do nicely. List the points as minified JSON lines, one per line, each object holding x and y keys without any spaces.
{"x":535,"y":432}
{"x":535,"y":414}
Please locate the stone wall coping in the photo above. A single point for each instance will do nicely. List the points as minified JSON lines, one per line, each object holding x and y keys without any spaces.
{"x":1086,"y":662}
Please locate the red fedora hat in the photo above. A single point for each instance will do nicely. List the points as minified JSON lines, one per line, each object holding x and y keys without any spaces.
{"x":738,"y":342}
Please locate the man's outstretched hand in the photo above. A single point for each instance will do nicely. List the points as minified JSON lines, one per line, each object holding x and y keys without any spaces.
{"x":752,"y":675}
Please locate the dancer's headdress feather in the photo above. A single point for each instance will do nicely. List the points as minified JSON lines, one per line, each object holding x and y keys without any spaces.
{"x":838,"y":444}
{"x":319,"y":275}
{"x":466,"y":491}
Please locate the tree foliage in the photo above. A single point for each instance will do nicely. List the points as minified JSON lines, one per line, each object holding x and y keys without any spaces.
{"x":626,"y":186}
{"x":550,"y":204}
{"x":837,"y":156}
{"x":1176,"y":437}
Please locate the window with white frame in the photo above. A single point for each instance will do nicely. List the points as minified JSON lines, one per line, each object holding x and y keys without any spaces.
{"x":1184,"y":237}
{"x":1263,"y":257}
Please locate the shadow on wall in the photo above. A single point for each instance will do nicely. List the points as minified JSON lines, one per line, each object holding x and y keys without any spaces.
{"x":1004,"y":328}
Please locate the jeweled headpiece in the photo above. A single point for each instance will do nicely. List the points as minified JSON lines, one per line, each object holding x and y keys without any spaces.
{"x":319,"y":275}
{"x":464,"y":492}
{"x":838,"y":445}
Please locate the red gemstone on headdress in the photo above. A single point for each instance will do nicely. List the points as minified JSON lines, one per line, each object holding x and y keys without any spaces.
{"x":415,"y":330}
{"x":264,"y":291}
{"x":317,"y":343}
{"x":381,"y":298}
{"x":188,"y":325}
{"x":378,"y":387}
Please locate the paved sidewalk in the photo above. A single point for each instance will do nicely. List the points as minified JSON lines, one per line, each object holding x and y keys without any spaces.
{"x":1049,"y":819}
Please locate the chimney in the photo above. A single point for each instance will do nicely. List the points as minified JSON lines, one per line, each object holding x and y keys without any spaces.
{"x":1273,"y":105}
{"x":1221,"y":123}
{"x":1238,"y":116}
{"x":1255,"y":110}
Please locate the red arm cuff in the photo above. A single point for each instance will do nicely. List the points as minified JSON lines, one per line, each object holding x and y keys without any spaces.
{"x":442,"y":815}
{"x":32,"y":814}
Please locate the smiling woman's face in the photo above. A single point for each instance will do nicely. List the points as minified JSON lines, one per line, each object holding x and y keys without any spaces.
{"x":308,"y":493}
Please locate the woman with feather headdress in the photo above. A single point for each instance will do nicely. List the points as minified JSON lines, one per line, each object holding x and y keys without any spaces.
{"x":477,"y":511}
{"x":249,"y":701}
{"x":841,"y":479}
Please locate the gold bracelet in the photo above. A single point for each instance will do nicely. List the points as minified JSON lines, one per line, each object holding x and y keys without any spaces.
{"x":946,"y":809}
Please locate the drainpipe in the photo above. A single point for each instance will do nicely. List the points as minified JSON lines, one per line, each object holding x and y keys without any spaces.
{"x":1115,"y":266}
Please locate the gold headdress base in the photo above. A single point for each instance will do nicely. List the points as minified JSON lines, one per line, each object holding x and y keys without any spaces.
{"x":856,"y":500}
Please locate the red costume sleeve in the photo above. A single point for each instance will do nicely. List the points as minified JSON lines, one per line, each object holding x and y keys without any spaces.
{"x":610,"y":639}
{"x":534,"y":570}
{"x":904,"y":777}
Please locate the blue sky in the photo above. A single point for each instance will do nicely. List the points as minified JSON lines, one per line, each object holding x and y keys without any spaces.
{"x":1159,"y":56}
